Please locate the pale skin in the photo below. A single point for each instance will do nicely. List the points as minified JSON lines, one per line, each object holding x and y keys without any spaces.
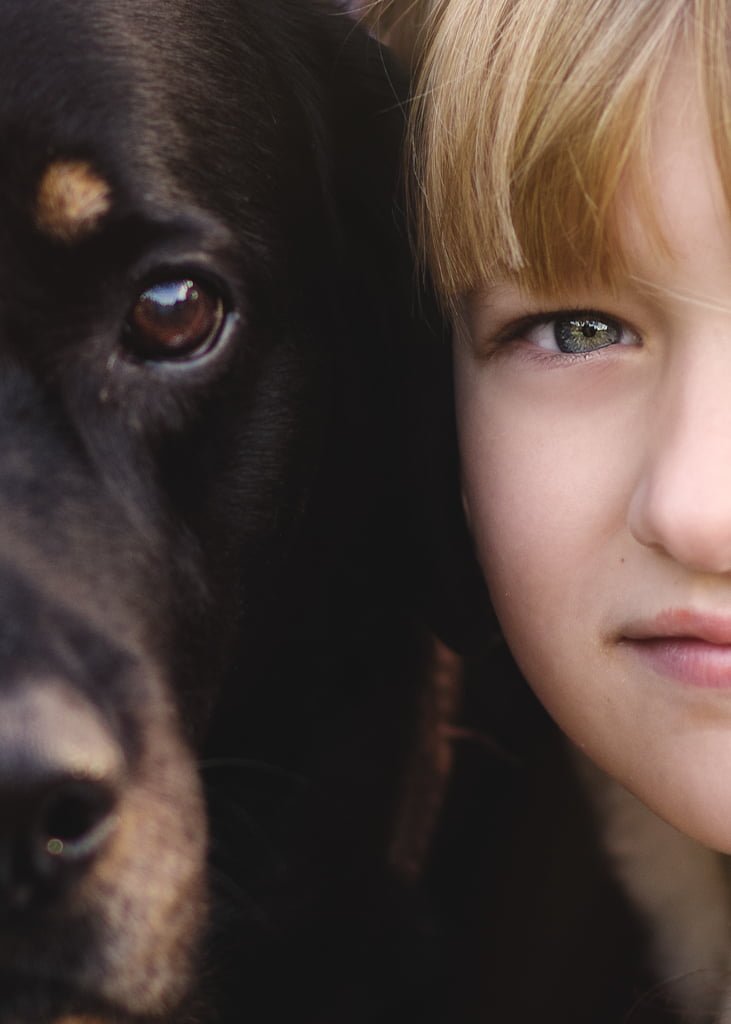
{"x":598,"y":487}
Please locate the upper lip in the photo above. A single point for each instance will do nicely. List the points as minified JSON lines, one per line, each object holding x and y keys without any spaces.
{"x":713,"y":628}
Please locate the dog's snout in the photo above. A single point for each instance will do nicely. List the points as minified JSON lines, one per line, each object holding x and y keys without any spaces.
{"x":60,"y":776}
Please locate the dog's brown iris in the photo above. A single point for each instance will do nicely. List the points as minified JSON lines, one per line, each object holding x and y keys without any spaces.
{"x":174,"y":319}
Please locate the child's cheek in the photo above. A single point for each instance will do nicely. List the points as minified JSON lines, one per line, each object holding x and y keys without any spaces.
{"x":549,"y":469}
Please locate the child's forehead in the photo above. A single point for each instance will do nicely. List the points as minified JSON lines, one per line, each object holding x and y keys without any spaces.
{"x":672,"y":203}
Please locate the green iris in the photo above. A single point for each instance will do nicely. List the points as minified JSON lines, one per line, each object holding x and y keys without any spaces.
{"x":585,"y":333}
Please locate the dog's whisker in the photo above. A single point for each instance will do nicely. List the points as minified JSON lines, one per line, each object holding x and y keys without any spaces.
{"x":222,"y":884}
{"x":251,"y":763}
{"x":253,"y":828}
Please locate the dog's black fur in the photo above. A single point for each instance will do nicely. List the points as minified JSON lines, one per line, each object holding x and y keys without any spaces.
{"x":199,"y":547}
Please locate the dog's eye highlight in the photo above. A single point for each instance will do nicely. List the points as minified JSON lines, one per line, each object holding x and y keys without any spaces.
{"x":173,"y":320}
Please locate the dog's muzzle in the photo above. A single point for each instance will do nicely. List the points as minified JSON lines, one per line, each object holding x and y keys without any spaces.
{"x":102,"y":824}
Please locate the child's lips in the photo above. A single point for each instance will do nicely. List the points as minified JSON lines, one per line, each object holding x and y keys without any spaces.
{"x":688,"y":646}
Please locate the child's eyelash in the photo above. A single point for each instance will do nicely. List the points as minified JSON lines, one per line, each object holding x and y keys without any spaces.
{"x":577,"y":333}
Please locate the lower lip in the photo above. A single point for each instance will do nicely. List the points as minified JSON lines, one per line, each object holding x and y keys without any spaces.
{"x":688,"y":660}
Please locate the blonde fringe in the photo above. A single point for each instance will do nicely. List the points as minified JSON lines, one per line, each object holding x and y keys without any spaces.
{"x":527,"y":118}
{"x":529,"y":115}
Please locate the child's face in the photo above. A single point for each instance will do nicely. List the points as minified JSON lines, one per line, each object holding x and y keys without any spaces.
{"x":597,"y":479}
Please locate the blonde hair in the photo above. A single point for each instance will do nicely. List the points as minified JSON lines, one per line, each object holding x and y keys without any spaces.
{"x":528,"y":114}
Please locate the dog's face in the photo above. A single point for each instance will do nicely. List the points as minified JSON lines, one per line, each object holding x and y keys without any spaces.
{"x":170,"y":246}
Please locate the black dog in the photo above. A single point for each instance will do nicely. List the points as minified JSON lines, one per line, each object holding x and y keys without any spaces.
{"x":203,"y":314}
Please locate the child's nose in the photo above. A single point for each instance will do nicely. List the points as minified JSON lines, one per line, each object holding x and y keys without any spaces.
{"x":681,"y":503}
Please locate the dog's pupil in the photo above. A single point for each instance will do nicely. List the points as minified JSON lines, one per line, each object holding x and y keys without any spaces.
{"x":173,"y":318}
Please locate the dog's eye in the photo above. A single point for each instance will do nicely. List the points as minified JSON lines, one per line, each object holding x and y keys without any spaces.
{"x":174,"y":319}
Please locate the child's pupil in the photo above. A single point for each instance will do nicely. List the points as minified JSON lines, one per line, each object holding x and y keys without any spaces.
{"x":584,"y":334}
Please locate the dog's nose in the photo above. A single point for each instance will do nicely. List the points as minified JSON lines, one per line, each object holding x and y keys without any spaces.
{"x":60,"y":777}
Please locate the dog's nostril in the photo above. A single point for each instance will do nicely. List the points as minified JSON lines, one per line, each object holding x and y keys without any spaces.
{"x":49,"y":834}
{"x":62,"y":774}
{"x":75,"y":820}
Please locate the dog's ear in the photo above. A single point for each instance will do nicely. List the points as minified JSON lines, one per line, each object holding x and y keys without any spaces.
{"x":428,"y":523}
{"x":448,"y":578}
{"x":368,"y":92}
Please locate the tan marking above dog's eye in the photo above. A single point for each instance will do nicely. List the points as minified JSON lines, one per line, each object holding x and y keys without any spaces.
{"x":71,"y":200}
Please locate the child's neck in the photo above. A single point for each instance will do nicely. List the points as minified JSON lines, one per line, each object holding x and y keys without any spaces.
{"x":680,"y":888}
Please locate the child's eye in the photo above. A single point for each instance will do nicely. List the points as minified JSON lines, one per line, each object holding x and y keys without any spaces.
{"x":578,"y":333}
